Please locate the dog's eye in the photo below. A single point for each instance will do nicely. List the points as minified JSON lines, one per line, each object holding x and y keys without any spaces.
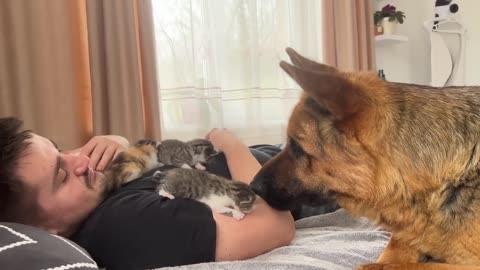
{"x":297,"y":151}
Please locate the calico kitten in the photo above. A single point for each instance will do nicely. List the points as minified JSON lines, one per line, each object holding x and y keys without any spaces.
{"x":131,"y":164}
{"x":224,"y":196}
{"x":185,"y":154}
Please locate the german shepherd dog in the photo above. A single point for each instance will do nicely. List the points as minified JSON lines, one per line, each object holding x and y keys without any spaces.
{"x":405,"y":156}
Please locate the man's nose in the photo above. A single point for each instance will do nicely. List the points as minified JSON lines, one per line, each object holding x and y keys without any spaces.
{"x":78,"y":163}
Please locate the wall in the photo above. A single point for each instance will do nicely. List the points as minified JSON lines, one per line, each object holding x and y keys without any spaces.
{"x":410,"y":62}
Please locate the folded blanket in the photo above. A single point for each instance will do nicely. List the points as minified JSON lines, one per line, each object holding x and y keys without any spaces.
{"x":329,"y":241}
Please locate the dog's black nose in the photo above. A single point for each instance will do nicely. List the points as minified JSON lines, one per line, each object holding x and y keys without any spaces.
{"x":258,"y":186}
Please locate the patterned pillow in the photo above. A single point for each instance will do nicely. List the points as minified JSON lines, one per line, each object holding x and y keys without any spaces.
{"x":25,"y":247}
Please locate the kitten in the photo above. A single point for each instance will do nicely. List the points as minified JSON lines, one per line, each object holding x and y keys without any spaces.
{"x":185,"y":154}
{"x":133,"y":163}
{"x":224,"y":196}
{"x":147,"y":155}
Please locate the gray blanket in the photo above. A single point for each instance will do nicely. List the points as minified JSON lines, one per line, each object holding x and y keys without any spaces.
{"x":330,"y":241}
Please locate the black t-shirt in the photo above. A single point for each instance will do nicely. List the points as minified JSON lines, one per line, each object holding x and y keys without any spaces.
{"x":135,"y":228}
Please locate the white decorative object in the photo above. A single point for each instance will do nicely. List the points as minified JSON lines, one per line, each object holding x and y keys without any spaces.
{"x":447,"y":65}
{"x":390,"y":39}
{"x":445,"y":8}
{"x":389,"y":27}
{"x":441,"y":60}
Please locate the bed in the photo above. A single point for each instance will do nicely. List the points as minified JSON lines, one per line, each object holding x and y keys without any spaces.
{"x":328,"y":241}
{"x":333,"y":241}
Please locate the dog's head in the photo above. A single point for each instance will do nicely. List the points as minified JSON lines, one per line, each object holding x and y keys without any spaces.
{"x":333,"y":133}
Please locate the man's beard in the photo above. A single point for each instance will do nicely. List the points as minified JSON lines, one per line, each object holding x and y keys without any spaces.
{"x":100,"y":186}
{"x":105,"y":188}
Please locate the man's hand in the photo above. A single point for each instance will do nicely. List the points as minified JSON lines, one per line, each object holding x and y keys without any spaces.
{"x":242,"y":164}
{"x":223,"y":140}
{"x":101,"y":150}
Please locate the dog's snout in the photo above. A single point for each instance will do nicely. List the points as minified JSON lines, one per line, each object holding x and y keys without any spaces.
{"x":258,"y":186}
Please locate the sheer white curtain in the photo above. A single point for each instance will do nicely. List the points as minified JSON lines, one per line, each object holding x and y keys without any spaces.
{"x":218,"y":64}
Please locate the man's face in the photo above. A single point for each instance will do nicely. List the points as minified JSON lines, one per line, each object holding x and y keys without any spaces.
{"x":67,"y":189}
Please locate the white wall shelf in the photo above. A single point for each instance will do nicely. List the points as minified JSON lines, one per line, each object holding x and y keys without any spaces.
{"x":390,"y":39}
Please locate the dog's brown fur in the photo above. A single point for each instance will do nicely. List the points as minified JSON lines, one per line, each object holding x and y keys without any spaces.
{"x":405,"y":156}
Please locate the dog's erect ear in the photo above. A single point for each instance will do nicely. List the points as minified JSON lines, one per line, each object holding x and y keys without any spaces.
{"x":306,"y":63}
{"x":330,"y":90}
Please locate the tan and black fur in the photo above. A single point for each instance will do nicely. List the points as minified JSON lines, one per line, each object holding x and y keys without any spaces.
{"x":405,"y":156}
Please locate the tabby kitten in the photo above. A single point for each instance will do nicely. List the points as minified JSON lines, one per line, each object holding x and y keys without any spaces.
{"x":185,"y":154}
{"x":228,"y":197}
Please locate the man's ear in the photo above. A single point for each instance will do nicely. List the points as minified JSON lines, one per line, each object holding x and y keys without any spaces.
{"x":331,"y":91}
{"x":305,"y":63}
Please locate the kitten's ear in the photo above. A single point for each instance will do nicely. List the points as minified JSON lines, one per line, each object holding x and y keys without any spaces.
{"x":305,"y":63}
{"x":146,"y":142}
{"x":329,"y":91}
{"x":158,"y":174}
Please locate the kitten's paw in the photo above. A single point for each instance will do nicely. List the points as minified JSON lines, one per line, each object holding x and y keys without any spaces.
{"x":199,"y":166}
{"x":186,"y":166}
{"x":238,"y":215}
{"x":163,"y":193}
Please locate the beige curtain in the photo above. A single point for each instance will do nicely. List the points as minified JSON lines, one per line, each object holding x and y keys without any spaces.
{"x":74,"y":69}
{"x":348,"y":34}
{"x":44,"y":78}
{"x":122,"y":61}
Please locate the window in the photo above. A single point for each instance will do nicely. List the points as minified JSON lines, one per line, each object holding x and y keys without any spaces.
{"x":217,"y":63}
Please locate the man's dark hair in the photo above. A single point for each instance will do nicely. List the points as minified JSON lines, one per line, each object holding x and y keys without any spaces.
{"x":13,"y":142}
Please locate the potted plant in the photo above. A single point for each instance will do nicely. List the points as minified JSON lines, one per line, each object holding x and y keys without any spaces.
{"x":388,"y":17}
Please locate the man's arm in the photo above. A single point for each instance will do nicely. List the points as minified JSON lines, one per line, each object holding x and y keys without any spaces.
{"x":260,"y":231}
{"x":264,"y":228}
